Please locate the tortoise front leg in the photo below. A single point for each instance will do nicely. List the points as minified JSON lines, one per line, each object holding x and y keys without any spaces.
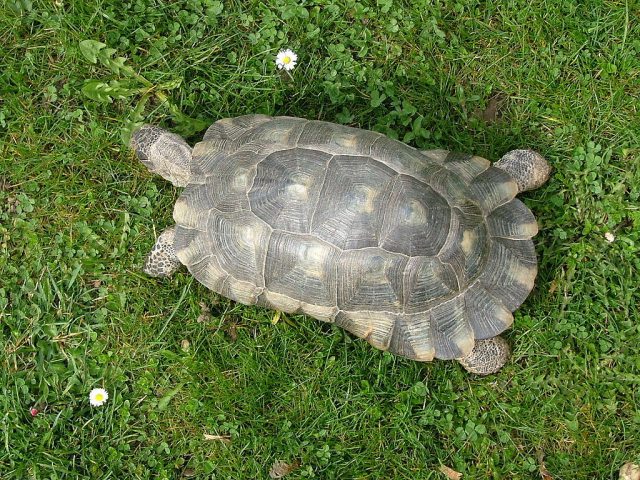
{"x":488,"y":356}
{"x":162,"y":260}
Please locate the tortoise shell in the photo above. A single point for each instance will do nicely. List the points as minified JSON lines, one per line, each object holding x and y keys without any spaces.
{"x":419,"y":253}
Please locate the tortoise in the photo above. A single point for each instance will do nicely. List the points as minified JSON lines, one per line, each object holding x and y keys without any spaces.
{"x":425,"y":254}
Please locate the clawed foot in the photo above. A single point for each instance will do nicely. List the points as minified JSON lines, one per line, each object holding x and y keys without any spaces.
{"x":488,"y":356}
{"x":162,"y":260}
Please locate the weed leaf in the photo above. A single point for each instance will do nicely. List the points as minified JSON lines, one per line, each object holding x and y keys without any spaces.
{"x":164,"y":401}
{"x":90,"y":49}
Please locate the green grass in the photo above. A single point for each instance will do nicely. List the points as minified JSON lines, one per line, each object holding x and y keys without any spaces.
{"x":78,"y":214}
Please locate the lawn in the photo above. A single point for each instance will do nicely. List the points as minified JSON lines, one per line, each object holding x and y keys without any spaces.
{"x":78,"y":214}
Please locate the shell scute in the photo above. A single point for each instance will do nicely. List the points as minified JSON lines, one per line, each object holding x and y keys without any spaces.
{"x":336,"y":139}
{"x":371,"y":279}
{"x":354,"y":192}
{"x":416,"y":219}
{"x":465,"y":166}
{"x":286,"y":188}
{"x":302,"y":267}
{"x":426,"y":281}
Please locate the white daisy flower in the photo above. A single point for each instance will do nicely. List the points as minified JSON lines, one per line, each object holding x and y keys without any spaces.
{"x":98,"y":396}
{"x":610,"y":237}
{"x":286,"y":59}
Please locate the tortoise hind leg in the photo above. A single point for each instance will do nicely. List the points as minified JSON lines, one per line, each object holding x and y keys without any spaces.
{"x":528,"y":168}
{"x":162,"y":260}
{"x":488,"y":356}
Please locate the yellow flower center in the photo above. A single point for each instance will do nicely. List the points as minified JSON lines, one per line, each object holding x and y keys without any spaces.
{"x":99,"y":397}
{"x":286,"y":60}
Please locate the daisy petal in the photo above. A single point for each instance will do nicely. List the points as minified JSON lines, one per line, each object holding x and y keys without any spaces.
{"x":286,"y":59}
{"x":98,"y":396}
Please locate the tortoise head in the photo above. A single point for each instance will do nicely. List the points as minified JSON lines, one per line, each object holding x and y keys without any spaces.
{"x":164,"y":153}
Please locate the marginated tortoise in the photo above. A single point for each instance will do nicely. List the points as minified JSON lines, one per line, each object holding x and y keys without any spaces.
{"x":425,"y":254}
